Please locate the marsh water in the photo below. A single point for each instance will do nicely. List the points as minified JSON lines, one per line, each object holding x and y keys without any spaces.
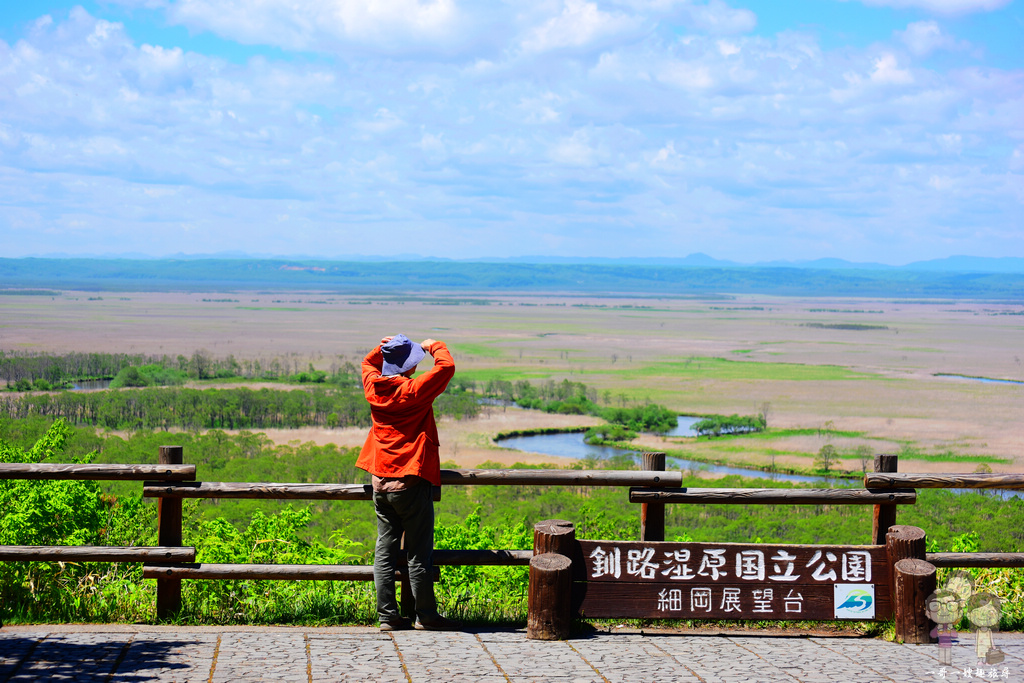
{"x":572,"y":445}
{"x":91,"y":384}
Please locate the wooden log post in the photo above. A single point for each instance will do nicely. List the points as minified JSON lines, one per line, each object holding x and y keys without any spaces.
{"x":549,"y":597}
{"x":548,"y":614}
{"x":885,"y":515}
{"x":652,"y":515}
{"x":915,"y":581}
{"x":901,"y":543}
{"x":168,"y":514}
{"x":907,"y":543}
{"x":554,"y":536}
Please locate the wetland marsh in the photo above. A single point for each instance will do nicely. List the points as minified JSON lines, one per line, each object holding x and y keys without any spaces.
{"x":876,"y":371}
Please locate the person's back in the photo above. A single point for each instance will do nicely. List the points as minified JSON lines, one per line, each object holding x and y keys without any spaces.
{"x":403,"y":440}
{"x":401,"y":452}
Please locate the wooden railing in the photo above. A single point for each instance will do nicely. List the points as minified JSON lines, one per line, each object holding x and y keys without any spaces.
{"x":652,"y":487}
{"x":892,"y":481}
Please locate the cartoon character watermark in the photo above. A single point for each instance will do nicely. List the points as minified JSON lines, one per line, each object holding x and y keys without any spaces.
{"x":946,"y":607}
{"x":983,"y":611}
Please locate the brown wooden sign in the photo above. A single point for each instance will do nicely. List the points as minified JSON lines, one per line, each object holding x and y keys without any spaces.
{"x":732,"y":581}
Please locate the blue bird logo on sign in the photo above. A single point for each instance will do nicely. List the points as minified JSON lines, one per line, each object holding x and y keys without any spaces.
{"x":857,"y":601}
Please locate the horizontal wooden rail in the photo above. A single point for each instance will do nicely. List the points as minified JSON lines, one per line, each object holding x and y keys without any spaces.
{"x":17,"y":470}
{"x":328,"y":572}
{"x":261,"y":490}
{"x":886,"y":480}
{"x":95,"y":553}
{"x":232,"y":489}
{"x":772,"y":496}
{"x":454,"y":558}
{"x":559,"y":478}
{"x":997,"y":560}
{"x":265,"y":572}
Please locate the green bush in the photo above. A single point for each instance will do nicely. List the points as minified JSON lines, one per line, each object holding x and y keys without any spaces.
{"x":68,"y":513}
{"x":610,"y":432}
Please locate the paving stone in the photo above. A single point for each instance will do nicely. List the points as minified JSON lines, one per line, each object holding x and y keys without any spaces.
{"x":625,"y":658}
{"x":261,"y":656}
{"x":528,"y":660}
{"x":123,"y":654}
{"x":354,"y":657}
{"x":166,"y":657}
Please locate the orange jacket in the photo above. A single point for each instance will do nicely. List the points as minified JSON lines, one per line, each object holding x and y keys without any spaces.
{"x":403,"y":439}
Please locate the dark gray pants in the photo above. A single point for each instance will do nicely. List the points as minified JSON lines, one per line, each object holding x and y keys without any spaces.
{"x":410,"y":511}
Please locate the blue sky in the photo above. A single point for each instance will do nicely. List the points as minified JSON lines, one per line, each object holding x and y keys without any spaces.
{"x":870,"y":130}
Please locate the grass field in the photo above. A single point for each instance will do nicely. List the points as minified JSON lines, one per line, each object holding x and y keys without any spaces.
{"x":868,"y":366}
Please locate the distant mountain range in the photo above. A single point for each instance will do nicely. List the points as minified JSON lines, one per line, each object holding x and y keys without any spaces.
{"x":696,"y":275}
{"x":950,"y":264}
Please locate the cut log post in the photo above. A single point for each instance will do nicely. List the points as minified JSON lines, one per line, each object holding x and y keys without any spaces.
{"x":901,"y":543}
{"x":554,"y":536}
{"x":652,"y":515}
{"x":885,"y":515}
{"x":915,"y":581}
{"x":168,"y":513}
{"x":548,"y":614}
{"x":559,"y":536}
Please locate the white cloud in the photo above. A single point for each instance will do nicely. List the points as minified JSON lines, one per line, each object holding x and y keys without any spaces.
{"x":690,"y":75}
{"x":924,"y":37}
{"x":541,"y":109}
{"x":581,"y":24}
{"x":432,"y":144}
{"x":886,"y":71}
{"x":129,"y":141}
{"x":1017,"y":161}
{"x":946,"y":7}
{"x":575,"y":150}
{"x":325,"y":25}
{"x":726,"y":48}
{"x":717,"y":18}
{"x":382,"y":122}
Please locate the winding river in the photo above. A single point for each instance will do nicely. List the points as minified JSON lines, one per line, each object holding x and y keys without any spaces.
{"x":571,"y":445}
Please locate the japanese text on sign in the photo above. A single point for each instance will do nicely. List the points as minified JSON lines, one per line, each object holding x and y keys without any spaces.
{"x":727,"y":564}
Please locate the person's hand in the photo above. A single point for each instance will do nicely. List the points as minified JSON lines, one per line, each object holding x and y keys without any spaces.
{"x":426,"y":344}
{"x":385,"y":340}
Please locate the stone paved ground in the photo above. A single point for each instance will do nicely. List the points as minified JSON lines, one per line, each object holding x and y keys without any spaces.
{"x":111,"y":654}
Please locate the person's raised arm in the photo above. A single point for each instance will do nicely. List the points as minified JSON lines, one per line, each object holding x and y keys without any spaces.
{"x":434,"y":381}
{"x":372,"y":364}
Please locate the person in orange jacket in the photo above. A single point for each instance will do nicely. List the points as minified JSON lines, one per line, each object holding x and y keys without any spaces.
{"x":401,"y":454}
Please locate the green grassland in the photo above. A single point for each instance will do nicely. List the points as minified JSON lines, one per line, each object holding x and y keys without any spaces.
{"x":696,"y":368}
{"x":723,"y":369}
{"x":479,"y":349}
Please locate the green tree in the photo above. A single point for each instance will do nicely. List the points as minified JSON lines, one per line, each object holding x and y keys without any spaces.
{"x":827,"y":456}
{"x":865,"y":455}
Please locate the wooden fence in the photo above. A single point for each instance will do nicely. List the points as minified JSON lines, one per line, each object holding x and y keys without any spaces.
{"x":170,"y":481}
